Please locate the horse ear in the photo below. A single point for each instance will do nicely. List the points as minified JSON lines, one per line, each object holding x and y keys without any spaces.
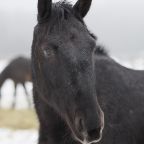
{"x":82,"y":6}
{"x":44,"y":9}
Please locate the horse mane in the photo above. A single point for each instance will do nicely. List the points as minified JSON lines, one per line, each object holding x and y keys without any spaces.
{"x":100,"y":50}
{"x":3,"y":76}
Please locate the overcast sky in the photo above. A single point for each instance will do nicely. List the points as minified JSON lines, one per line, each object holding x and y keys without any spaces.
{"x":118,"y":24}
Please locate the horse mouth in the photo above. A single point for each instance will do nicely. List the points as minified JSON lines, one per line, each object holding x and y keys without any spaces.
{"x":86,"y":141}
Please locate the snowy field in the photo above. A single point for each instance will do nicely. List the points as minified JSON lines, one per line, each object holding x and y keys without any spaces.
{"x":8,"y":136}
{"x":18,"y":137}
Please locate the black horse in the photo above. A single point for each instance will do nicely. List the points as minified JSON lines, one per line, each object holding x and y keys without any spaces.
{"x":19,"y":71}
{"x":74,"y":78}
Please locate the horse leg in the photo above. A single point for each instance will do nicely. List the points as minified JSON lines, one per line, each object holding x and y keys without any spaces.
{"x":0,"y":97}
{"x":14,"y":95}
{"x":27,"y":95}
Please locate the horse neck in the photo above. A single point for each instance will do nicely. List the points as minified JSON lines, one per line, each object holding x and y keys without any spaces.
{"x":3,"y":77}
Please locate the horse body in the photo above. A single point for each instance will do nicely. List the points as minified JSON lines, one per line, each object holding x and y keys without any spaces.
{"x":121,"y":95}
{"x":19,"y":71}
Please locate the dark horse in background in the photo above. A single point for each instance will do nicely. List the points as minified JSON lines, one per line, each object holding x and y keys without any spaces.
{"x":19,"y":71}
{"x":75,"y":81}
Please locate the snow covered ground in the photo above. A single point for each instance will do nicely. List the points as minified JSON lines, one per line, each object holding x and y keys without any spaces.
{"x":18,"y":137}
{"x":30,"y":136}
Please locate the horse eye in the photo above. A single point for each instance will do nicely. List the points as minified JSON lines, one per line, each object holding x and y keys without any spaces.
{"x":51,"y":51}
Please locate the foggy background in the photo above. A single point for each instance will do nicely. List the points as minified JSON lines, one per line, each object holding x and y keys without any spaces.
{"x":118,"y":24}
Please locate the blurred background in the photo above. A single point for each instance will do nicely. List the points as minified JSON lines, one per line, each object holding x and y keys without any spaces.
{"x":118,"y":24}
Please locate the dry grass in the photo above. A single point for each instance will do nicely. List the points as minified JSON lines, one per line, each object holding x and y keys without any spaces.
{"x":18,"y":119}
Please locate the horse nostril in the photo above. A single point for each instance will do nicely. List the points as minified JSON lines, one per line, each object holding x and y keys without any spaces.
{"x":79,"y":123}
{"x":81,"y":126}
{"x":94,"y":134}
